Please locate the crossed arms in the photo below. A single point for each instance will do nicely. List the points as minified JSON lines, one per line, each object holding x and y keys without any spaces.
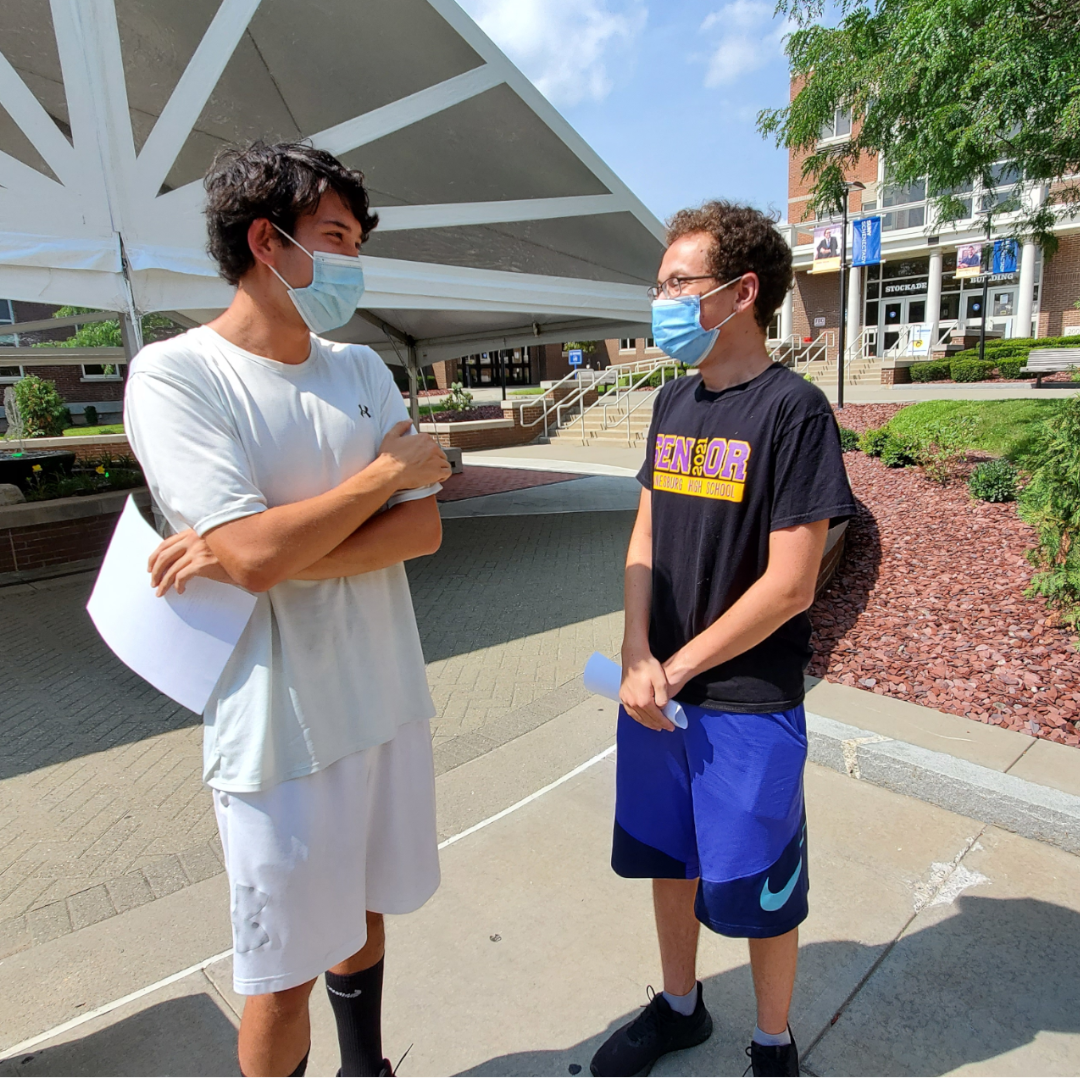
{"x":783,"y":591}
{"x":336,"y":534}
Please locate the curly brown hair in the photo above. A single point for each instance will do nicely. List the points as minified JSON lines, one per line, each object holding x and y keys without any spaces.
{"x":281,"y":182}
{"x":744,"y":240}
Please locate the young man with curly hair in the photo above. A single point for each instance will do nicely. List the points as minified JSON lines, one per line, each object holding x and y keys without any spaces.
{"x":742,"y":478}
{"x":285,"y":463}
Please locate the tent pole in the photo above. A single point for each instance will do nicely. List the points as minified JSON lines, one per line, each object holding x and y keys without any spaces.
{"x":414,"y":401}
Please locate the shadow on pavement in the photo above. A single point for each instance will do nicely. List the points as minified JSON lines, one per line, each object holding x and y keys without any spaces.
{"x":975,"y":985}
{"x":185,"y":1036}
{"x":498,"y":579}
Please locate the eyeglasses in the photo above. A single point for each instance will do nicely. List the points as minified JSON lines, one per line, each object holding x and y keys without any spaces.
{"x":673,"y":287}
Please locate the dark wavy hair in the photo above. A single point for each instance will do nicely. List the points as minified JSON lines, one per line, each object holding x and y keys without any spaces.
{"x":744,"y":240}
{"x":280,"y":182}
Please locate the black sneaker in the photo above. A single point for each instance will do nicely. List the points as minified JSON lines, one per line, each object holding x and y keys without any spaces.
{"x":635,"y":1048}
{"x":774,"y":1060}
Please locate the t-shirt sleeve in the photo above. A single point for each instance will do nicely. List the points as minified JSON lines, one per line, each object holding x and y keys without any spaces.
{"x":392,"y":411}
{"x":194,"y":461}
{"x":810,"y":482}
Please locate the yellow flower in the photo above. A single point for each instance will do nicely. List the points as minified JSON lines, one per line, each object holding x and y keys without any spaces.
{"x":100,"y":469}
{"x":35,"y":468}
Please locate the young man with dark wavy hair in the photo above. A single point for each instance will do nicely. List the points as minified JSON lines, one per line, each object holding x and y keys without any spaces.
{"x":742,"y":477}
{"x":285,"y":463}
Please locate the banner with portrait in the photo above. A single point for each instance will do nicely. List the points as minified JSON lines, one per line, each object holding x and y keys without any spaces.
{"x":969,"y":260}
{"x":826,"y":249}
{"x":866,"y":241}
{"x":1006,"y":253}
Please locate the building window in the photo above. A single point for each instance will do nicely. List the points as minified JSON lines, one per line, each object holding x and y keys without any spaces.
{"x":773,"y":332}
{"x":839,"y":127}
{"x":10,"y":374}
{"x":102,"y":372}
{"x":627,"y":344}
{"x":649,"y":343}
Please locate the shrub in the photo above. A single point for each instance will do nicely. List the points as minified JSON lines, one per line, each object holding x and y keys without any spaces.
{"x":1051,"y":503}
{"x":895,"y":453}
{"x":1010,"y":369}
{"x":459,"y":399}
{"x":931,"y":371}
{"x":872,"y":441}
{"x":971,"y":370}
{"x":90,"y":416}
{"x":849,"y":440}
{"x":43,"y":412}
{"x":941,"y":445}
{"x":994,"y":481}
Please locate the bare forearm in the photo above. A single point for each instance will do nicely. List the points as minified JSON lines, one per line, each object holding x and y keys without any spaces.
{"x":760,"y":611}
{"x":404,"y":532}
{"x":261,"y":550}
{"x":637,"y":582}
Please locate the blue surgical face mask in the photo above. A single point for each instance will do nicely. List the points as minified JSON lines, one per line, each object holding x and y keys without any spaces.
{"x":677,"y":328}
{"x":337,"y":283}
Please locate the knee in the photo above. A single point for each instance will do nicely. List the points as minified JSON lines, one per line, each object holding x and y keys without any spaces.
{"x":284,"y":1005}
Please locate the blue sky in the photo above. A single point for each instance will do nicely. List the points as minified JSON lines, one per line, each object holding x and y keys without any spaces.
{"x":666,"y":91}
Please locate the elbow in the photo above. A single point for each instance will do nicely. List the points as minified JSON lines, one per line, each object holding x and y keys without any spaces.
{"x":257,"y":576}
{"x":431,"y":540}
{"x":804,"y":598}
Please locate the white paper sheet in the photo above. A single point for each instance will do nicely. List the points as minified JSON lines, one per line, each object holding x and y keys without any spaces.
{"x":178,"y":643}
{"x":604,"y":677}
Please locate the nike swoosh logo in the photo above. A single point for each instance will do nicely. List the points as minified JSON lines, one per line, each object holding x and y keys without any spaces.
{"x":774,"y":901}
{"x":355,"y":993}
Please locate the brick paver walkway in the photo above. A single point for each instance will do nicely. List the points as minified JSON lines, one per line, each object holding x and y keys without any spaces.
{"x":101,"y":803}
{"x":478,"y":480}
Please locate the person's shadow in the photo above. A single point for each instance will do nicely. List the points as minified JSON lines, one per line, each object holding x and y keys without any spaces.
{"x":966,"y":989}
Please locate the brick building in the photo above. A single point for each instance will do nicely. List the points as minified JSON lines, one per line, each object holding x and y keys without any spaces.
{"x":79,"y":385}
{"x":915,"y":284}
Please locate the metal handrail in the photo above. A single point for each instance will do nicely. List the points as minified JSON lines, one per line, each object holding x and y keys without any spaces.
{"x":815,"y":350}
{"x":637,"y":373}
{"x":551,"y":406}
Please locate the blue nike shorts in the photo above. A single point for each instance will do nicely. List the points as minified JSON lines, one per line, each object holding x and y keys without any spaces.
{"x":721,"y":801}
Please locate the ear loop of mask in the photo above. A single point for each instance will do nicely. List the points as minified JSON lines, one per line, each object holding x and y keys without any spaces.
{"x":299,"y":245}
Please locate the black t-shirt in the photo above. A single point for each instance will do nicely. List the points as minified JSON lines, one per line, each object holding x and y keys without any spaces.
{"x":725,"y":469}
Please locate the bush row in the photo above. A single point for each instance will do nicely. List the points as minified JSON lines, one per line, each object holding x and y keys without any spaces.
{"x":965,"y":367}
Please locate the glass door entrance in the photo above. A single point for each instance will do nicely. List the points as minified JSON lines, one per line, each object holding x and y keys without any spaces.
{"x":898,"y":314}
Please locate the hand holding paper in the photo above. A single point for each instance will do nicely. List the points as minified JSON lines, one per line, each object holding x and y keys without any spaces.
{"x":604,"y":677}
{"x":178,"y":643}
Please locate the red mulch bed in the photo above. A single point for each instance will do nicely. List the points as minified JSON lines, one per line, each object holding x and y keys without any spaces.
{"x":928,"y":604}
{"x":477,"y":412}
{"x":482,"y":480}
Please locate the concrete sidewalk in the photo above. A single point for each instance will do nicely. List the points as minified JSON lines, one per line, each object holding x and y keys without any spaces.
{"x":935,"y":944}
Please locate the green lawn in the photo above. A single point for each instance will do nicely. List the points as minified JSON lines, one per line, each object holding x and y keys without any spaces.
{"x":101,"y":429}
{"x":1005,"y":428}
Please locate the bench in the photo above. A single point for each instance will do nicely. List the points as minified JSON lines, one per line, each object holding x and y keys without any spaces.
{"x":1042,"y":362}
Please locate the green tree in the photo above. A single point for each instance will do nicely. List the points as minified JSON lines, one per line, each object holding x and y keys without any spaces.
{"x":955,"y":91}
{"x":106,"y":334}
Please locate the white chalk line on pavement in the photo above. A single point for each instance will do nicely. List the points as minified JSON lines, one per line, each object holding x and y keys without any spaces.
{"x":102,"y":1010}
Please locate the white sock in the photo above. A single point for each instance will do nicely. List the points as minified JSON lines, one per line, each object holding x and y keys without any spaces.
{"x":684,"y":1005}
{"x":763,"y":1038}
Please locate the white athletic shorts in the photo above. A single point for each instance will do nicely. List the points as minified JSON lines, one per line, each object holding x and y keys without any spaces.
{"x":307,"y":857}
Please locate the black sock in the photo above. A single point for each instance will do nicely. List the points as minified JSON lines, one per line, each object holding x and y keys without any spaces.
{"x":302,"y":1067}
{"x":357,"y":1003}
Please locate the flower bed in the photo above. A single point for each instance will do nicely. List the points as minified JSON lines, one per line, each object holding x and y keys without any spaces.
{"x":928,"y":604}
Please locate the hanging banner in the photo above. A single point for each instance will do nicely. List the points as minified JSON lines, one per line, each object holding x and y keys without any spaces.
{"x":866,"y":242}
{"x":1005,"y":256}
{"x":826,"y":249}
{"x":969,"y":260}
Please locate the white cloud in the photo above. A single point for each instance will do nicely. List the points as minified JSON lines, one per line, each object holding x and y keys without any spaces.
{"x":564,"y":46}
{"x":750,"y":38}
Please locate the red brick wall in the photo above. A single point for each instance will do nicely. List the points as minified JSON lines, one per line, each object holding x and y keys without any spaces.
{"x":815,"y":295}
{"x":1060,"y":288}
{"x":51,"y":545}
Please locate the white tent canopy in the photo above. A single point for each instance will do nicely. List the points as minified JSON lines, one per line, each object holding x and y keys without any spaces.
{"x":499,"y":225}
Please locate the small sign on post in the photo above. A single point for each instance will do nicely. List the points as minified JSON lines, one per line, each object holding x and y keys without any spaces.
{"x":575,"y":356}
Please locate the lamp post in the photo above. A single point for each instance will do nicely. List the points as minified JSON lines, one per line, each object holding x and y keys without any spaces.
{"x":849,"y":186}
{"x":988,"y":213}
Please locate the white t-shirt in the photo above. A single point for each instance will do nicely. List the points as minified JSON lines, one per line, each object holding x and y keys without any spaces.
{"x":324,"y":668}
